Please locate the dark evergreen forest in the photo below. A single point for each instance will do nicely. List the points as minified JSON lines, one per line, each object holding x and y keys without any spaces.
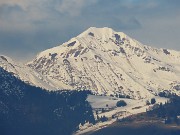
{"x":28,"y":110}
{"x":170,"y":111}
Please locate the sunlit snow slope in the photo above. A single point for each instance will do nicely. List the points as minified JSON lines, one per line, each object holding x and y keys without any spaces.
{"x":24,"y":73}
{"x":109,"y":62}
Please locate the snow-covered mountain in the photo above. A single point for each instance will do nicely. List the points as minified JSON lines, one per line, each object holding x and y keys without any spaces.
{"x":24,"y":73}
{"x":109,"y":62}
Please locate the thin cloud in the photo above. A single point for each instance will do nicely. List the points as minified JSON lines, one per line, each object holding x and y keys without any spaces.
{"x":31,"y":26}
{"x":26,"y":14}
{"x":73,"y":7}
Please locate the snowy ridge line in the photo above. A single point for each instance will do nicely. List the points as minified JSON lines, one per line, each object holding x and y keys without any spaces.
{"x":114,"y":64}
{"x":103,"y":61}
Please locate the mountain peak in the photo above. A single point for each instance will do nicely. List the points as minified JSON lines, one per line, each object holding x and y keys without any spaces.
{"x":100,"y":32}
{"x":92,"y":38}
{"x":108,"y":62}
{"x":97,"y":29}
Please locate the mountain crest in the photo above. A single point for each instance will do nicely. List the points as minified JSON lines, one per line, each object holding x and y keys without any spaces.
{"x":103,"y":61}
{"x":101,"y":33}
{"x":104,"y":39}
{"x":109,"y":62}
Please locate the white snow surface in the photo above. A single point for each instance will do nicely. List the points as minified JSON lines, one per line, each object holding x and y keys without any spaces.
{"x":24,"y":73}
{"x":103,"y":61}
{"x":99,"y":102}
{"x":109,"y":62}
{"x":133,"y":106}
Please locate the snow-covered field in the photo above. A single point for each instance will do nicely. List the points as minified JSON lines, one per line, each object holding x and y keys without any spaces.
{"x":99,"y":102}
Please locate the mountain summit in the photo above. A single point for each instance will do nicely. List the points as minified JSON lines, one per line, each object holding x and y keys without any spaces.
{"x":109,"y":62}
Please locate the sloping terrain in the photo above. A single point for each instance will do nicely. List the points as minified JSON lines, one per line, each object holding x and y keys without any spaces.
{"x":108,"y":62}
{"x":28,"y":110}
{"x":143,"y":126}
{"x":24,"y":73}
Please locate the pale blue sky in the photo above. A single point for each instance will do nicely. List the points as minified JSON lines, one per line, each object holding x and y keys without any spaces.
{"x":30,"y":26}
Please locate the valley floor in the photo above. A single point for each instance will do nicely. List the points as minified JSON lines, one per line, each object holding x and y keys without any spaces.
{"x":144,"y":128}
{"x":113,"y":113}
{"x":139,"y":126}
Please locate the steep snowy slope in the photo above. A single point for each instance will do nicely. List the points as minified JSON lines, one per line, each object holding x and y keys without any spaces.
{"x":109,"y":62}
{"x":24,"y":73}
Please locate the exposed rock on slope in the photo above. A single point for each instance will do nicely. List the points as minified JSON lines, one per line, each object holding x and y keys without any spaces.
{"x":109,"y":62}
{"x":24,"y":73}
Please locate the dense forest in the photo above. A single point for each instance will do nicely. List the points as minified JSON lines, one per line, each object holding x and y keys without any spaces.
{"x":170,"y":111}
{"x":28,"y":110}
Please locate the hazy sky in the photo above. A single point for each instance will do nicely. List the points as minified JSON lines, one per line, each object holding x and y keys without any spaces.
{"x":30,"y":26}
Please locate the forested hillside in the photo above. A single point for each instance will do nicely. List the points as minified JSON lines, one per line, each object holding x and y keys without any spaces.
{"x":28,"y":110}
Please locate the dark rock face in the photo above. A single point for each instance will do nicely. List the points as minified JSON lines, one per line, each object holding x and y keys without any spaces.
{"x":53,"y":56}
{"x":117,"y":37}
{"x":71,"y":44}
{"x":166,"y":51}
{"x":91,"y":34}
{"x":2,"y":57}
{"x":177,"y":87}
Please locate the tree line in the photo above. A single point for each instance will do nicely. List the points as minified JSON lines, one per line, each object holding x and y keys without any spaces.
{"x":28,"y":110}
